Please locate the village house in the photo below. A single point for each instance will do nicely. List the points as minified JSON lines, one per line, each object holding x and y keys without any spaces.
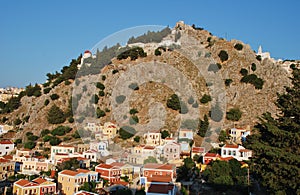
{"x":153,"y":138}
{"x":23,"y":154}
{"x":171,"y":151}
{"x":35,"y":166}
{"x":38,"y":186}
{"x":208,"y":157}
{"x":236,"y":151}
{"x":94,"y":127}
{"x":238,"y":135}
{"x":69,"y":181}
{"x":5,"y":128}
{"x":186,"y":134}
{"x":7,"y":168}
{"x":197,"y":151}
{"x":110,"y":129}
{"x":155,"y":177}
{"x":109,"y":172}
{"x":140,"y":153}
{"x":93,"y":155}
{"x":61,"y":149}
{"x":80,"y":148}
{"x":6,"y":146}
{"x":101,"y":147}
{"x":127,"y":170}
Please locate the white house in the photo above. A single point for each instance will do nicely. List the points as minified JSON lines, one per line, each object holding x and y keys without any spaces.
{"x":62,"y":149}
{"x":93,"y":155}
{"x":100,"y":147}
{"x":238,"y":135}
{"x":153,"y":138}
{"x":6,"y":146}
{"x":236,"y":151}
{"x":186,"y":134}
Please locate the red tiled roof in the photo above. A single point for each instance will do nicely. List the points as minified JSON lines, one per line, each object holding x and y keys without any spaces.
{"x":198,"y":149}
{"x":39,"y":180}
{"x":69,"y":172}
{"x":82,"y":171}
{"x":87,"y":51}
{"x":149,"y":147}
{"x":160,"y":188}
{"x":6,"y":142}
{"x":104,"y":166}
{"x":8,"y":157}
{"x":226,"y":158}
{"x":159,"y":166}
{"x":4,"y":160}
{"x":244,"y":150}
{"x":123,"y":183}
{"x":66,"y":146}
{"x":231,"y":146}
{"x":25,"y":183}
{"x":117,"y":164}
{"x":159,"y":178}
{"x":211,"y":155}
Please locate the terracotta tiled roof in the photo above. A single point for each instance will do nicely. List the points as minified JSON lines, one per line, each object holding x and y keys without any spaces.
{"x":65,"y":146}
{"x":6,"y":142}
{"x":158,"y":166}
{"x":4,"y":160}
{"x":198,"y":149}
{"x":8,"y":157}
{"x":83,"y":170}
{"x":159,"y":178}
{"x":226,"y":158}
{"x":117,"y":164}
{"x":211,"y":155}
{"x":69,"y":172}
{"x":160,"y":189}
{"x":244,"y":150}
{"x":149,"y":147}
{"x":123,"y":183}
{"x":25,"y":183}
{"x":104,"y":166}
{"x":39,"y":180}
{"x":231,"y":146}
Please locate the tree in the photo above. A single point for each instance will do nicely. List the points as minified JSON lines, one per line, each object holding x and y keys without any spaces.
{"x":223,"y":136}
{"x":150,"y":159}
{"x":100,"y":86}
{"x":54,"y":96}
{"x":244,"y":71}
{"x":100,"y":113}
{"x":174,"y":102}
{"x":126,"y":132}
{"x":30,"y":145}
{"x":205,"y":98}
{"x":203,"y":126}
{"x":137,"y":139}
{"x":133,"y":111}
{"x":234,"y":114}
{"x":238,"y":46}
{"x":223,"y":55}
{"x":276,"y":143}
{"x":228,"y":82}
{"x":164,"y":134}
{"x":56,"y":115}
{"x":253,"y":67}
{"x":89,"y":186}
{"x":54,"y":141}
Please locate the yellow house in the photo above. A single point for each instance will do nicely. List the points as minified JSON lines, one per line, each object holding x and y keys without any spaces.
{"x":126,"y":169}
{"x":109,"y":129}
{"x":69,"y":181}
{"x":38,"y":186}
{"x":7,"y":168}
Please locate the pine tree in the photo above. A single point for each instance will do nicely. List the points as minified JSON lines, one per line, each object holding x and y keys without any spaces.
{"x":276,"y":144}
{"x":203,"y":126}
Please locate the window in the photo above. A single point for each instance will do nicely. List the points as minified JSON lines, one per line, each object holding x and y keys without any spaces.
{"x":146,"y":173}
{"x":6,"y":147}
{"x":234,"y":153}
{"x":224,"y":152}
{"x":229,"y":152}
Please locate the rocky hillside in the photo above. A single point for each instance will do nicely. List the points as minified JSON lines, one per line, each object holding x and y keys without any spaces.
{"x":202,"y":58}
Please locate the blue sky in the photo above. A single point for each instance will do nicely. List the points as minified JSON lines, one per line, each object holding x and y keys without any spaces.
{"x":37,"y":37}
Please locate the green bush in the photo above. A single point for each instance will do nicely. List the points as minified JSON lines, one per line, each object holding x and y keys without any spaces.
{"x":191,"y":100}
{"x":133,"y":111}
{"x":30,"y":145}
{"x":157,"y":52}
{"x":126,"y":132}
{"x":101,"y":93}
{"x":238,"y":46}
{"x":164,"y":134}
{"x":54,"y":96}
{"x":100,"y":86}
{"x":137,"y":139}
{"x":103,"y":77}
{"x":67,"y":82}
{"x":47,"y":90}
{"x":228,"y":82}
{"x":205,"y":99}
{"x":115,"y":71}
{"x":120,"y":99}
{"x":133,"y":53}
{"x":61,"y":130}
{"x":253,"y":67}
{"x":54,"y":141}
{"x":258,"y":57}
{"x":254,"y":80}
{"x":174,"y":102}
{"x":55,"y":115}
{"x":32,"y":138}
{"x":216,"y":113}
{"x":100,"y":113}
{"x":45,"y":132}
{"x":71,"y":120}
{"x":195,"y":105}
{"x":234,"y":114}
{"x":17,"y":121}
{"x":244,"y":71}
{"x":223,"y":56}
{"x":133,"y":120}
{"x":46,"y":102}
